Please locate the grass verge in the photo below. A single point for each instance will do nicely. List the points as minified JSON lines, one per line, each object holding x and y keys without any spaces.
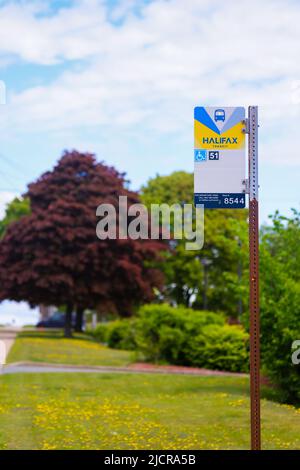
{"x":52,"y":347}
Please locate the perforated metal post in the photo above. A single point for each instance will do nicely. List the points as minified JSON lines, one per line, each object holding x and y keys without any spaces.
{"x":254,"y":280}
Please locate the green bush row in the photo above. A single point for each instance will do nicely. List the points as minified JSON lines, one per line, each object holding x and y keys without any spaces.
{"x":179,"y":336}
{"x":118,"y":334}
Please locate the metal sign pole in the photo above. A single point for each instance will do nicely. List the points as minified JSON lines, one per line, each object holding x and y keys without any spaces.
{"x":254,"y":280}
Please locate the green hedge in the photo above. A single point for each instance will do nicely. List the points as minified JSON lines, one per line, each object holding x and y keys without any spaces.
{"x":118,"y":334}
{"x":220,"y":347}
{"x":162,"y":332}
{"x":180,"y":336}
{"x":280,"y":327}
{"x":188,"y":337}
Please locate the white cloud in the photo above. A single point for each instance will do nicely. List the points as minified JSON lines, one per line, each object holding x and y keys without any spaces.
{"x":72,"y":33}
{"x":146,"y":74}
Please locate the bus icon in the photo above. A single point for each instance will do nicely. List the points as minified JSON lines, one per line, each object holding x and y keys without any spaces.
{"x":219,"y":115}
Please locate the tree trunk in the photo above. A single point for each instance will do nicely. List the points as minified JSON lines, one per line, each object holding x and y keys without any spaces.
{"x":79,"y":319}
{"x":68,"y":321}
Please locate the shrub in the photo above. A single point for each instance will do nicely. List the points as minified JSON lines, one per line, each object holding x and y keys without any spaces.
{"x":121,"y":334}
{"x":180,"y":336}
{"x":280,"y":303}
{"x":188,"y":337}
{"x":118,"y":334}
{"x":162,"y":331}
{"x":220,"y":347}
{"x":280,"y":328}
{"x":100,"y":333}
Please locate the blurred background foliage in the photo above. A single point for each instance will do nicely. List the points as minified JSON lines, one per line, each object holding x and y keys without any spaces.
{"x":199,"y":315}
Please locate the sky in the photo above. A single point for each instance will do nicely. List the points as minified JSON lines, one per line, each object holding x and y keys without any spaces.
{"x":120,"y":78}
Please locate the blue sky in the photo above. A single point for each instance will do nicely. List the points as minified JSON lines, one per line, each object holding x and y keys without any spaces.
{"x":121,"y":79}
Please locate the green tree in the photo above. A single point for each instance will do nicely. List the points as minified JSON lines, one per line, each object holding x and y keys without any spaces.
{"x":16,"y":209}
{"x":53,"y":256}
{"x":216,"y":276}
{"x":280,"y":302}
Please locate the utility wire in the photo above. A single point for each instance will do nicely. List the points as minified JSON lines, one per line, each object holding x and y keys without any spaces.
{"x":12,"y":163}
{"x":7,"y":179}
{"x":10,"y":178}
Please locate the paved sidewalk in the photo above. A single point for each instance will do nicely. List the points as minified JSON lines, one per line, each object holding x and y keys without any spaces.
{"x":183,"y":370}
{"x":138,"y":368}
{"x":8,"y":336}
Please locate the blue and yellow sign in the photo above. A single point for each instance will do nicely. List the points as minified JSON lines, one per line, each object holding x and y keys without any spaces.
{"x":219,"y":157}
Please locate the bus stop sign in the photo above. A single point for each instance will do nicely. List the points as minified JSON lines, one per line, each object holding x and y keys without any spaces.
{"x":219,"y":157}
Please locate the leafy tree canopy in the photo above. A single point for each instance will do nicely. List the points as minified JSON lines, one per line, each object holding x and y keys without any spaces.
{"x":53,"y":256}
{"x":222,"y":282}
{"x":16,"y":209}
{"x":280,"y":300}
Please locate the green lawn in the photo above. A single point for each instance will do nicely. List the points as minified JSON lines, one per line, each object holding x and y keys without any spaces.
{"x":123,"y":411}
{"x":51,"y":347}
{"x":127,"y":411}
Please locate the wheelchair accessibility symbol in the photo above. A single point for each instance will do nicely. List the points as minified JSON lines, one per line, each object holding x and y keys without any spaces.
{"x":200,"y":155}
